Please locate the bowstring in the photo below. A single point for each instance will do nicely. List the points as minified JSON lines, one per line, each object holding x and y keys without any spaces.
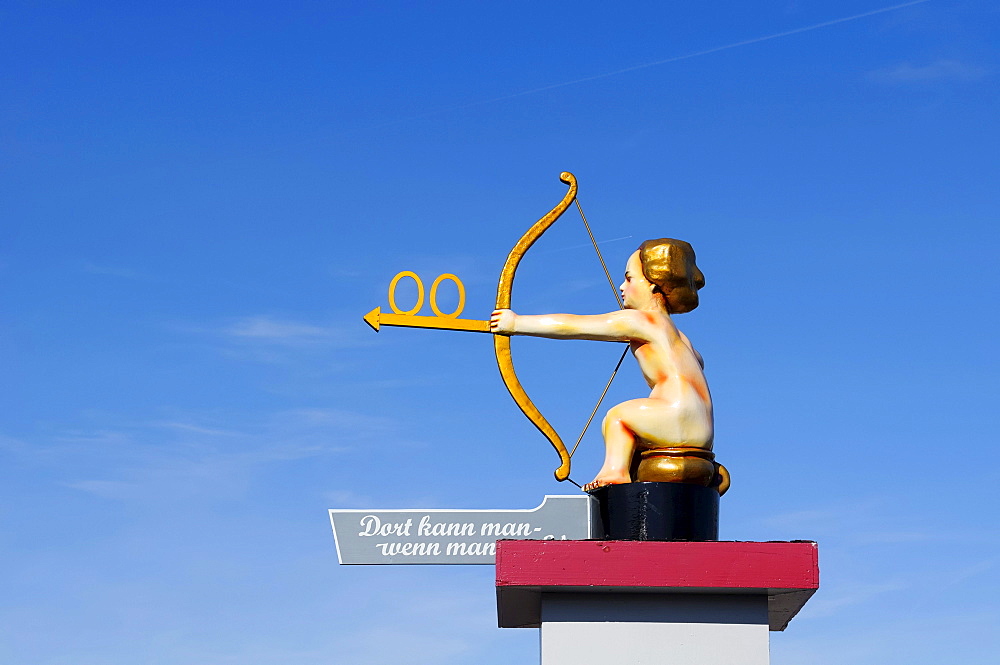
{"x":611,"y":282}
{"x":621,"y":305}
{"x":598,"y":405}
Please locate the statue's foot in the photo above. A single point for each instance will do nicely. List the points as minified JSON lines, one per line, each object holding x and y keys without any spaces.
{"x":607,"y":478}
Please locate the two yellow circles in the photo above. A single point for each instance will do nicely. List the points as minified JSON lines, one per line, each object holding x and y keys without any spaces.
{"x":420,"y":294}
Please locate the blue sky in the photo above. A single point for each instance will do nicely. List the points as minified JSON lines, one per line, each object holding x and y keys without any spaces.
{"x":199,"y":202}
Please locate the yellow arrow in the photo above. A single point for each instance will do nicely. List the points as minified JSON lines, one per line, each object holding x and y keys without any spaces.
{"x":376,"y":319}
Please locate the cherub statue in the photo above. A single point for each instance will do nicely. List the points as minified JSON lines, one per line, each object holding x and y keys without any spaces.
{"x":661,"y":279}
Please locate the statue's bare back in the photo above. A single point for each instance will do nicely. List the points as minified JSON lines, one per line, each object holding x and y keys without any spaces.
{"x":678,"y":411}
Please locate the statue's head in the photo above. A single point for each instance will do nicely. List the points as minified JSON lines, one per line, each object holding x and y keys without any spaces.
{"x":669,"y":264}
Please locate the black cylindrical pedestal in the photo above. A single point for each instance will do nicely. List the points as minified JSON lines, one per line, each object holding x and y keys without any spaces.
{"x":658,"y":511}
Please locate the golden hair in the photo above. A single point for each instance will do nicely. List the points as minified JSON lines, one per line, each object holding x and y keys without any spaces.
{"x":669,"y":265}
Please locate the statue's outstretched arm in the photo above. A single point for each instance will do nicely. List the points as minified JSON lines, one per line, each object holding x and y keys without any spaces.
{"x":618,"y":326}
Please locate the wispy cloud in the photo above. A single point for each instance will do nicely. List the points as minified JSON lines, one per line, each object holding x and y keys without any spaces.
{"x":801,"y":518}
{"x":893,"y":537}
{"x":265,"y":329}
{"x":10,"y":445}
{"x":387,"y":644}
{"x":899,"y":636}
{"x":305,"y":424}
{"x":863,"y":522}
{"x":955,"y":576}
{"x":268,"y":332}
{"x":273,"y":340}
{"x":940,"y":70}
{"x":187,"y":427}
{"x":273,"y":330}
{"x":98,"y":438}
{"x":106,"y":489}
{"x":825,"y":605}
{"x":111,"y":271}
{"x":342,"y":497}
{"x":197,"y":455}
{"x":436,"y":629}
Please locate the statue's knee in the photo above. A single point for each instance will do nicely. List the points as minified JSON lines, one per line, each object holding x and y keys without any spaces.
{"x":614,"y":417}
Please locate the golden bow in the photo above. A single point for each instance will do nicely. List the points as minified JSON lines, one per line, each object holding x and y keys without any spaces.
{"x":501,"y":343}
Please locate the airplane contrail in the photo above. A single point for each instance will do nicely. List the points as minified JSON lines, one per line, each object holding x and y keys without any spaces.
{"x":688,"y":56}
{"x":655,"y":63}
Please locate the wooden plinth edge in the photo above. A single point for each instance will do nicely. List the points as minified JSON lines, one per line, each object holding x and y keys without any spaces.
{"x":787,"y":572}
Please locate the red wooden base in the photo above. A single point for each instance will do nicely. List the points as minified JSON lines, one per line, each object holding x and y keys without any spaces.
{"x":787,"y":572}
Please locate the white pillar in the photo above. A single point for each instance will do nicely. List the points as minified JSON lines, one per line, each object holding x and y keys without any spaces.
{"x":654,"y":628}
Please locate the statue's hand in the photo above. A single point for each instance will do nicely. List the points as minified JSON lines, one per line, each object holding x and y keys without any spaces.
{"x":502,"y":322}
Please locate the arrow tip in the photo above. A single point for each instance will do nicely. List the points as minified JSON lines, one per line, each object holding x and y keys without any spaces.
{"x":371,"y":318}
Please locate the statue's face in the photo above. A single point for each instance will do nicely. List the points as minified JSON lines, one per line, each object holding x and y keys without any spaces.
{"x":637,"y":291}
